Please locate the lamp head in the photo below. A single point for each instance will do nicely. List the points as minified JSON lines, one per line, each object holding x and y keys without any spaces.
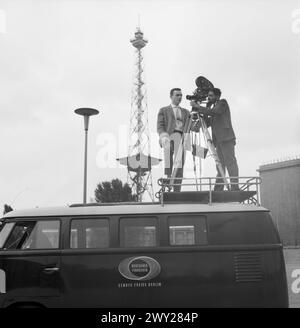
{"x":86,"y":113}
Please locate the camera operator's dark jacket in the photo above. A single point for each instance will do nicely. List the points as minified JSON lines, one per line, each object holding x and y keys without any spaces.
{"x":220,"y":121}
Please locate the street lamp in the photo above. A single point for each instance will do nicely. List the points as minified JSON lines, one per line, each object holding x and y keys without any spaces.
{"x":86,"y":113}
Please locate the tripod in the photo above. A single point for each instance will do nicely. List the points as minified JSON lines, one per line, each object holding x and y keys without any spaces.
{"x":194,"y":118}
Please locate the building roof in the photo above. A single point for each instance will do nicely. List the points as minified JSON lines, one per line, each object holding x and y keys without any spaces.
{"x":279,"y":165}
{"x":120,"y":209}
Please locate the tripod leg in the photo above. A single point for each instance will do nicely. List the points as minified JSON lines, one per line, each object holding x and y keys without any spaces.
{"x":179,"y":155}
{"x":213,"y":151}
{"x":194,"y":144}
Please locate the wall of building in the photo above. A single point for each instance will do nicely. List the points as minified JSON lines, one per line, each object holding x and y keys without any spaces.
{"x":280,"y":192}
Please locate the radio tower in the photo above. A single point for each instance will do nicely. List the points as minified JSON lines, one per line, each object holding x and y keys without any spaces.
{"x":139,"y":161}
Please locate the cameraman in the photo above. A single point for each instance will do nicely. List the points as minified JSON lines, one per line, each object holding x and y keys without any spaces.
{"x":219,"y":119}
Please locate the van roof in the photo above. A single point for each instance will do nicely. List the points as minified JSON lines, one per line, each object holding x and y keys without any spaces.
{"x":138,"y":208}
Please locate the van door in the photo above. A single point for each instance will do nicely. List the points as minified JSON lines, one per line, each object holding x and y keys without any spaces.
{"x":30,"y":261}
{"x":94,"y":269}
{"x":86,"y":265}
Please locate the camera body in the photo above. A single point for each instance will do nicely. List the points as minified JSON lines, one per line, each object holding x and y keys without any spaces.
{"x":203,"y":87}
{"x":198,"y":95}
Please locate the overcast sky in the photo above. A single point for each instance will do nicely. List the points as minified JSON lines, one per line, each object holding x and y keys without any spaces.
{"x":56,"y":56}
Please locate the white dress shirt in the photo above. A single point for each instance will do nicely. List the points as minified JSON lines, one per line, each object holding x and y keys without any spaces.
{"x":178,"y":117}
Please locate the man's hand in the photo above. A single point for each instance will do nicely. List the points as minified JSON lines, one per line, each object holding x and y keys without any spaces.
{"x":193,"y":103}
{"x":165,"y":141}
{"x":200,"y":109}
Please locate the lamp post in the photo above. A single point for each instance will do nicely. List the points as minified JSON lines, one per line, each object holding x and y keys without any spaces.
{"x":86,"y":113}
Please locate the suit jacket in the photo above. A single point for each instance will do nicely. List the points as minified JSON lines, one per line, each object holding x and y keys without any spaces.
{"x":166,"y":123}
{"x":220,"y":121}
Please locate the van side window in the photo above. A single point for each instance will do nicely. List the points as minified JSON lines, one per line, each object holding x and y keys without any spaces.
{"x":34,"y":235}
{"x":89,"y":233}
{"x":45,"y":235}
{"x":138,"y":232}
{"x":187,"y":230}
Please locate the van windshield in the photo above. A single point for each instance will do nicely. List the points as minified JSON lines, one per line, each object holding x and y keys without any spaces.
{"x":5,"y":231}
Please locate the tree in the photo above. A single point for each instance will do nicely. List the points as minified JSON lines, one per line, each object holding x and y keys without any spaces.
{"x":113,"y":191}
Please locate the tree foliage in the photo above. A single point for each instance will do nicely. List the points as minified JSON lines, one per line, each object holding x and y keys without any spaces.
{"x":113,"y":191}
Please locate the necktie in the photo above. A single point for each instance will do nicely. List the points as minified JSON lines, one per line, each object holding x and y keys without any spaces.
{"x":177,"y":111}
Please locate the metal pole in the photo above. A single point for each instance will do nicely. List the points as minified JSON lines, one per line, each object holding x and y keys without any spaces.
{"x":85,"y":167}
{"x":86,"y":113}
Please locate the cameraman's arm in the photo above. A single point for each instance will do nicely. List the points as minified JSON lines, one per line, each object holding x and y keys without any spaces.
{"x":218,"y":109}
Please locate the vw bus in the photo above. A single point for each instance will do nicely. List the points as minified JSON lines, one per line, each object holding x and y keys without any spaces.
{"x":142,"y":255}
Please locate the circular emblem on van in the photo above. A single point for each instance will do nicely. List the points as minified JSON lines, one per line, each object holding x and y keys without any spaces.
{"x":139,"y":268}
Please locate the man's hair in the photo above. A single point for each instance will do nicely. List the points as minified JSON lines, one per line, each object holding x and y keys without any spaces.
{"x":217,"y":92}
{"x":174,"y":89}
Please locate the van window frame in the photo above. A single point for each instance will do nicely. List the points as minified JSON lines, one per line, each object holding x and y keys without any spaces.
{"x":141,"y":217}
{"x":35,"y":219}
{"x":96,"y":217}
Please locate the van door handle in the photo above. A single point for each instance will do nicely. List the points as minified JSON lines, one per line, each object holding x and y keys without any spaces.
{"x":49,"y":270}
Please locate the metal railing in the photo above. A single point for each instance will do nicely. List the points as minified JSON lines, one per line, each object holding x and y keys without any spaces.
{"x":208,"y":184}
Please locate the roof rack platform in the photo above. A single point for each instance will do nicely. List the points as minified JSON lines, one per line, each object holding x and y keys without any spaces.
{"x":248,"y":190}
{"x":204,"y":196}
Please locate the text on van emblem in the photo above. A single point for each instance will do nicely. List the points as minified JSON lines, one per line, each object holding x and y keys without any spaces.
{"x":139,"y":268}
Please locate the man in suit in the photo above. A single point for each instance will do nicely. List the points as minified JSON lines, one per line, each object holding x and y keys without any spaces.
{"x":219,"y":118}
{"x":171,"y":121}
